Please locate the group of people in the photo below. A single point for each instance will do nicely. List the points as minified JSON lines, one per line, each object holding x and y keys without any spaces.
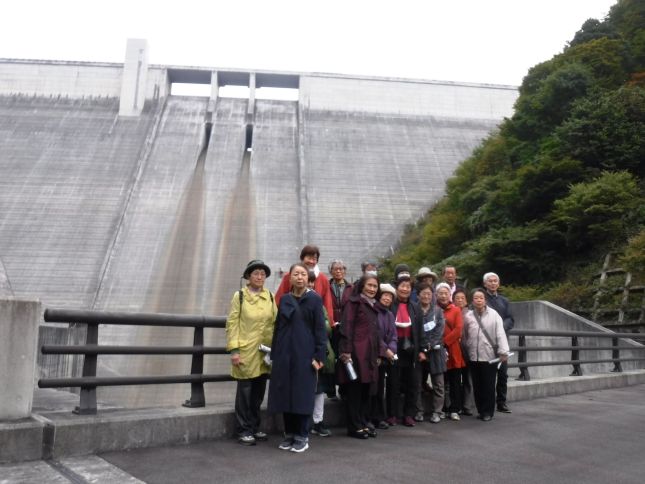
{"x":383,"y":345}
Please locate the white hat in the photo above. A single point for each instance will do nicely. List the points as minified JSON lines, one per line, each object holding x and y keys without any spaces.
{"x":388,"y":288}
{"x":426,"y":271}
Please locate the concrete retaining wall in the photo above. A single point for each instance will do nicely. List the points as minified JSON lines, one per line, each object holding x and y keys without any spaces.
{"x":18,"y":338}
{"x":543,"y":315}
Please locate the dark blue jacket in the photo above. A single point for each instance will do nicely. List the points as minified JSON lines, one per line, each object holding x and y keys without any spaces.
{"x":299,"y":337}
{"x":500,"y":304}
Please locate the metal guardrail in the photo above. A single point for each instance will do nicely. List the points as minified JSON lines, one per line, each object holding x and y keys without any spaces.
{"x":575,"y":349}
{"x":88,"y":382}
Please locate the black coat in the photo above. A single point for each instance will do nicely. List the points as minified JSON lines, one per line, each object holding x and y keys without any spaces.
{"x":419,"y":341}
{"x":299,"y":337}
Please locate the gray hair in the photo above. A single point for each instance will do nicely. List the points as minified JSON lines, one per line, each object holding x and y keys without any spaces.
{"x":489,"y":275}
{"x":442,"y":285}
{"x":337,"y":261}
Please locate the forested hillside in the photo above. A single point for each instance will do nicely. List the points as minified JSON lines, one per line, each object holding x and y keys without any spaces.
{"x":560,"y":184}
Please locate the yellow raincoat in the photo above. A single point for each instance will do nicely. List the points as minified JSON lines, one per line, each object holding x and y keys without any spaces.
{"x":245,"y":332}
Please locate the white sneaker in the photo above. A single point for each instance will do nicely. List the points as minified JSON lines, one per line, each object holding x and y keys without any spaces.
{"x":454,"y":416}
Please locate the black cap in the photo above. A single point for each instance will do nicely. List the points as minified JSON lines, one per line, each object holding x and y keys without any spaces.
{"x":256,"y":264}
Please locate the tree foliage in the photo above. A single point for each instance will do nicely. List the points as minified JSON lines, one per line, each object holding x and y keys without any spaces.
{"x":561,"y":181}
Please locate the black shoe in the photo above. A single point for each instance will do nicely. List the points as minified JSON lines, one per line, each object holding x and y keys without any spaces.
{"x":466,"y":413}
{"x":371,"y":432}
{"x":486,"y":418}
{"x":359,"y":434}
{"x":246,"y":440}
{"x":503,"y":408}
{"x":383,"y":425}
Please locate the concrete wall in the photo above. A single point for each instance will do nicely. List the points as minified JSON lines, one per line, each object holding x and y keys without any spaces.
{"x":5,"y":285}
{"x":546,"y":316}
{"x":18,"y":337}
{"x":72,"y":79}
{"x":67,"y":167}
{"x":406,"y":97}
{"x":368,"y":175}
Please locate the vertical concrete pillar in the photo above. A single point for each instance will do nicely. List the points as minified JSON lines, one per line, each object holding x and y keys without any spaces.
{"x":135,"y":77}
{"x":19,"y":320}
{"x":251,"y":107}
{"x":212,"y":102}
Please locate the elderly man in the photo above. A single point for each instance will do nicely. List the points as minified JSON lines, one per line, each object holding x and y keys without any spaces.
{"x":449,"y":276}
{"x":500,"y":304}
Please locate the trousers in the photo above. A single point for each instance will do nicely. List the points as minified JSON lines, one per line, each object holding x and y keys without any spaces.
{"x":248,"y":398}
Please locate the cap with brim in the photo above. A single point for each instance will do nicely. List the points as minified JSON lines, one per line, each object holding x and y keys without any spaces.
{"x":388,"y":288}
{"x":425,"y":272}
{"x":256,"y":264}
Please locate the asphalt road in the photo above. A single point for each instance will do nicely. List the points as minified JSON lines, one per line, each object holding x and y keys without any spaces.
{"x":593,"y":437}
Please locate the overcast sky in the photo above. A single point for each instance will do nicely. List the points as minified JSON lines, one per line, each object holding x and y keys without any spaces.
{"x":493,"y":41}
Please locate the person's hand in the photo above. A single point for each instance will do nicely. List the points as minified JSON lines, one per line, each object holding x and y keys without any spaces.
{"x":345,"y":357}
{"x":236,"y":360}
{"x":378,"y":361}
{"x":317,"y":364}
{"x":389,"y":354}
{"x":503,"y":358}
{"x":422,"y":356}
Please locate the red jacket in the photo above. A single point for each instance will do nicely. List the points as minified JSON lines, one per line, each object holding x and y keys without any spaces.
{"x":321,"y":286}
{"x":452,"y":336}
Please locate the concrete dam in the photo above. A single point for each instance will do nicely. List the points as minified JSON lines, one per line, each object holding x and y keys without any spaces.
{"x":116,"y":194}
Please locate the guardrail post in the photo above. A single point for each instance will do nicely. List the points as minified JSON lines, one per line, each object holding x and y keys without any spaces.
{"x":521,"y":358}
{"x":88,"y":393}
{"x":615,"y":355}
{"x":575,"y":356}
{"x":197,"y":398}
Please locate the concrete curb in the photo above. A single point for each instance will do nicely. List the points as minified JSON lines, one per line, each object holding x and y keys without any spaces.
{"x":58,"y":434}
{"x":551,"y":387}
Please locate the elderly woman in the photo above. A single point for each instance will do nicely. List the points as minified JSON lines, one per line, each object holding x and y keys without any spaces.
{"x":309,"y":256}
{"x":486,"y":341}
{"x":411,"y":347}
{"x":359,"y":344}
{"x":297,"y":352}
{"x":435,"y":366}
{"x":250,"y":323}
{"x":460,"y":300}
{"x":341,"y":290}
{"x":379,"y":411}
{"x":452,"y":341}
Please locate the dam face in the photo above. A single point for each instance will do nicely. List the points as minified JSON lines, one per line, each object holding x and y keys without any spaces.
{"x":157,"y":206}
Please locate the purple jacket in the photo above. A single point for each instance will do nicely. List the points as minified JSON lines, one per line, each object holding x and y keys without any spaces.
{"x":359,"y":336}
{"x":386,"y":330}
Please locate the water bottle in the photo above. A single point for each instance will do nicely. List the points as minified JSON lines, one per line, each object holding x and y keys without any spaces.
{"x":351,"y":372}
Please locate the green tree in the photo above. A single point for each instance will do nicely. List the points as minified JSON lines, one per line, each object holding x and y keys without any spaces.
{"x":593,"y":29}
{"x":633,"y":260}
{"x":600,"y":212}
{"x":607,"y":132}
{"x":537,"y":114}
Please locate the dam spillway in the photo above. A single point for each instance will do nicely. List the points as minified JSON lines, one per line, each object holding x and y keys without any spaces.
{"x":97,"y":206}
